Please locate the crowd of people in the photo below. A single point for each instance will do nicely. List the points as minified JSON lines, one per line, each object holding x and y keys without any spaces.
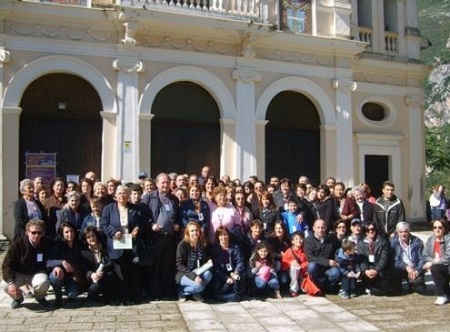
{"x":195,"y":237}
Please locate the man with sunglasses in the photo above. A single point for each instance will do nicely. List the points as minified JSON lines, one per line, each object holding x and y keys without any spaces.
{"x":24,"y":264}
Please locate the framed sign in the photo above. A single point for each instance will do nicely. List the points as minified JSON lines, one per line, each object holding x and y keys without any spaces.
{"x":40,"y":164}
{"x":296,"y":16}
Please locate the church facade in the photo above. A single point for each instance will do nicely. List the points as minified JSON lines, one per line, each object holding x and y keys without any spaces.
{"x":249,"y":87}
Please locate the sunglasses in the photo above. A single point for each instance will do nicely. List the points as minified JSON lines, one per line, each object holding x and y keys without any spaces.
{"x":438,"y":227}
{"x":368,"y":230}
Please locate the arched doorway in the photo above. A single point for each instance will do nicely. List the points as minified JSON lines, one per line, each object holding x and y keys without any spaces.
{"x":61,"y":113}
{"x":185,"y":130}
{"x":293,"y":137}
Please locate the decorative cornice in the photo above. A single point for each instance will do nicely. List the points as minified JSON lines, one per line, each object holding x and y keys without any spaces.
{"x":129,"y":39}
{"x":246,"y":75}
{"x":128,"y":65}
{"x":414,"y":100}
{"x":5,"y":56}
{"x":344,"y":85}
{"x":146,"y":116}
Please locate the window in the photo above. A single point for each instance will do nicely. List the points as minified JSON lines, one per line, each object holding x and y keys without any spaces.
{"x":374,"y":112}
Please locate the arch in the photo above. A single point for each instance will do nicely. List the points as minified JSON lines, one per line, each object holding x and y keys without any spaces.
{"x":205,"y":79}
{"x":59,"y":64}
{"x":304,"y":86}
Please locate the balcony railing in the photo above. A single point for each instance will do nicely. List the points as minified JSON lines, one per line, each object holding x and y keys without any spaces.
{"x":365,"y":35}
{"x":391,"y":42}
{"x":248,"y":9}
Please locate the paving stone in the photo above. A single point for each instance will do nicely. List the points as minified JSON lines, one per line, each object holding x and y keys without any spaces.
{"x":301,"y":314}
{"x":249,"y":327}
{"x":293,"y":328}
{"x":205,"y":325}
{"x":70,"y":327}
{"x":278,"y":320}
{"x":242,"y":318}
{"x":197,"y":314}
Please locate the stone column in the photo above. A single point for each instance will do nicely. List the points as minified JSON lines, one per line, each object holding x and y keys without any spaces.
{"x":328,"y":151}
{"x":7,"y":185}
{"x":378,"y":26}
{"x":261,"y":149}
{"x":228,"y":152}
{"x":344,"y":130}
{"x":341,"y":18}
{"x":145,"y":139}
{"x":111,"y":145}
{"x":401,"y":28}
{"x":416,"y":162}
{"x":127,"y":123}
{"x":245,"y":122}
{"x":413,"y":38}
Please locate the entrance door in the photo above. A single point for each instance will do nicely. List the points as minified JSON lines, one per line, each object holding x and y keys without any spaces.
{"x":185,"y":130}
{"x":376,"y":171}
{"x":293,"y":138}
{"x":61,"y":113}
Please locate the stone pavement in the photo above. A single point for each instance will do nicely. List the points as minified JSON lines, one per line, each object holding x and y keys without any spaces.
{"x":413,"y":312}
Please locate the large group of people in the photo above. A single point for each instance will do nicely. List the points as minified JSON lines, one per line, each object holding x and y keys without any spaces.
{"x":184,"y":237}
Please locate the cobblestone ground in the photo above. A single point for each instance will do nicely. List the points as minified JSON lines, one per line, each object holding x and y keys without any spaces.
{"x":412,"y":312}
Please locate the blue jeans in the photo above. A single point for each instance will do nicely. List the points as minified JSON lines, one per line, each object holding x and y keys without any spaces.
{"x":71,"y":287}
{"x":190,"y":287}
{"x":324,"y":276}
{"x":272,"y":283}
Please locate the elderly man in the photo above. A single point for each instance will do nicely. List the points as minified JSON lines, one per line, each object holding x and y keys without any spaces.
{"x":24,"y":264}
{"x":163,"y":207}
{"x":320,"y":249}
{"x":408,"y":259}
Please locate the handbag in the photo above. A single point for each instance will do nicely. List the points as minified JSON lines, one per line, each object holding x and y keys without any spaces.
{"x":144,"y":251}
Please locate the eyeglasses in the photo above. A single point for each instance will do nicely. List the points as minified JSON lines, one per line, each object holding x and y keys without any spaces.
{"x":438,"y":227}
{"x":35,"y":233}
{"x":368,"y":230}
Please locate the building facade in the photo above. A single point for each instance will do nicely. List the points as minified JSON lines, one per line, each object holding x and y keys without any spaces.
{"x":249,"y":87}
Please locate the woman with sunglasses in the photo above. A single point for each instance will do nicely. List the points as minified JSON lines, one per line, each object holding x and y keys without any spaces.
{"x":374,"y":251}
{"x":437,"y":259}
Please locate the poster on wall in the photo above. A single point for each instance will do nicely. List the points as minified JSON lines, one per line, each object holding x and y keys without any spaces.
{"x":296,"y":16}
{"x":40,"y":164}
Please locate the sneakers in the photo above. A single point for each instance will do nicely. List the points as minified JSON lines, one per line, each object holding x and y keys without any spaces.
{"x":17,"y":303}
{"x":294,"y":294}
{"x":43,"y":302}
{"x":353,"y":295}
{"x":181,"y":298}
{"x":342,"y":293}
{"x":441,"y":300}
{"x":368,"y":291}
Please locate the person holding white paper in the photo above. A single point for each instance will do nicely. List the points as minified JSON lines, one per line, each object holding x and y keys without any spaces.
{"x":119,"y":220}
{"x":192,"y":253}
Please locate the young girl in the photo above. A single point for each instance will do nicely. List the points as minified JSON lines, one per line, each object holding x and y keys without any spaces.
{"x":261,"y":268}
{"x":295,"y":262}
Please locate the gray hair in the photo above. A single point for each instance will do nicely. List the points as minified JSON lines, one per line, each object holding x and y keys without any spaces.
{"x":122,"y":188}
{"x":98,"y":184}
{"x":73,"y":194}
{"x":357,"y":189}
{"x":402,"y":225}
{"x":25,"y":183}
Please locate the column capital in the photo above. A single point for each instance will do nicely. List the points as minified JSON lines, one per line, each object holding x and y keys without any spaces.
{"x":108,"y":115}
{"x":5,"y":56}
{"x":246,"y":75}
{"x":414,"y":100}
{"x":12,"y":110}
{"x":262,"y":123}
{"x":146,"y":116}
{"x":227,"y":121}
{"x":344,"y":85}
{"x":128,"y":65}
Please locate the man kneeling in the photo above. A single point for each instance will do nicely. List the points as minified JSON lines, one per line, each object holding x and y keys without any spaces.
{"x":24,"y":264}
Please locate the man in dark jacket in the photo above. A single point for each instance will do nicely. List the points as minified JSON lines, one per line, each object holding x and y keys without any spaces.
{"x":163,"y":209}
{"x":24,"y":264}
{"x":408,"y":258}
{"x":388,"y":210}
{"x":320,"y":249}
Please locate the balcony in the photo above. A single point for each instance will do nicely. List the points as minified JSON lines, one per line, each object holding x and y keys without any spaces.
{"x":365,"y":35}
{"x":234,"y":9}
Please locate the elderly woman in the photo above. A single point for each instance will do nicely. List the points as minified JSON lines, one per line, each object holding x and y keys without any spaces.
{"x":55,"y":203}
{"x":192,"y":254}
{"x":27,"y":208}
{"x":408,"y":258}
{"x":195,"y":209}
{"x":70,"y":213}
{"x":65,"y":263}
{"x":229,"y":268}
{"x":436,"y":254}
{"x":119,"y":220}
{"x":224,"y":214}
{"x":97,"y":267}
